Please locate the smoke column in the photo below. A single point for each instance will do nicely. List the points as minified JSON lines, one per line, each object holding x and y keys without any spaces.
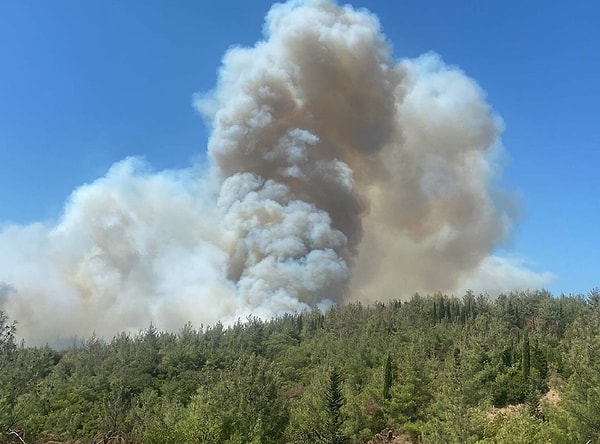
{"x":336,"y":173}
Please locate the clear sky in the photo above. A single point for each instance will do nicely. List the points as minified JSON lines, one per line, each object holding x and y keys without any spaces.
{"x":84,"y":84}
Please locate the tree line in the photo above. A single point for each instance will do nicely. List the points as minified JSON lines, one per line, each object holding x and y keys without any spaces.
{"x":521,"y":368}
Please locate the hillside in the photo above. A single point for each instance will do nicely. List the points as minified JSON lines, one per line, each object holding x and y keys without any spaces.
{"x":523,"y":368}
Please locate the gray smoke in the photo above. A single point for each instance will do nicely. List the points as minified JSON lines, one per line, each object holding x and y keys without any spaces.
{"x":336,"y":173}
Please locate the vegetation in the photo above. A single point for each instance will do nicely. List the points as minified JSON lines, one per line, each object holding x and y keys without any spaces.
{"x":522,"y":368}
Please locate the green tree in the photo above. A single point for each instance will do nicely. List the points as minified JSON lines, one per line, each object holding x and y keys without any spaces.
{"x":410,"y":394}
{"x":387,"y":378}
{"x":452,"y":417}
{"x":335,"y":400}
{"x":519,"y":428}
{"x":526,"y":356}
{"x":241,"y":404}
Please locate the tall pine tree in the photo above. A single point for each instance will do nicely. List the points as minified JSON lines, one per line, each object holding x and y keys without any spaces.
{"x":335,"y":400}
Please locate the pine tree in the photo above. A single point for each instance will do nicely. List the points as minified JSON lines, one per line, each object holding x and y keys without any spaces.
{"x":335,"y":401}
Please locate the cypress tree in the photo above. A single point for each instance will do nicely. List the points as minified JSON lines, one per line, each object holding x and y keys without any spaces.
{"x":387,"y":378}
{"x":526,"y":357}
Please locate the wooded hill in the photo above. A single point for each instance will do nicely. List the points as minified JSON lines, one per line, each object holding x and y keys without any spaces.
{"x":523,"y":368}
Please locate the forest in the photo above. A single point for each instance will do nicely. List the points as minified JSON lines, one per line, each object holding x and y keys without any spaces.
{"x":520,"y":368}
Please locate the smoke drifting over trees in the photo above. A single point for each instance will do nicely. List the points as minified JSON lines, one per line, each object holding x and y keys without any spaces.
{"x":336,"y":173}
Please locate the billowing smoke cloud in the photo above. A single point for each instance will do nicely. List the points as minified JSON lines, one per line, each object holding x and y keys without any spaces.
{"x":335,"y":173}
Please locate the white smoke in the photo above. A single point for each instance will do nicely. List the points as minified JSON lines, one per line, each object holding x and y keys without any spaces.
{"x":336,"y":173}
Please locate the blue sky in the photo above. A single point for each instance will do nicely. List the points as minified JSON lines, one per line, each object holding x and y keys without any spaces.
{"x":86,"y":83}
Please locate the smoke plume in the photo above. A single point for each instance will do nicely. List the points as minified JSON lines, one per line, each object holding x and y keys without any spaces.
{"x":336,"y":173}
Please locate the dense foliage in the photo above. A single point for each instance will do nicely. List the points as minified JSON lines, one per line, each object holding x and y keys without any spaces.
{"x":523,"y":368}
